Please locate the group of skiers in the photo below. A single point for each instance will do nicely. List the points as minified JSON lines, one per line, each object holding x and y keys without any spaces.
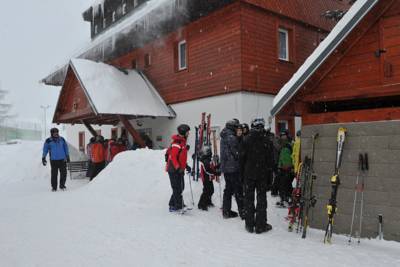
{"x":252,"y":160}
{"x":101,"y":152}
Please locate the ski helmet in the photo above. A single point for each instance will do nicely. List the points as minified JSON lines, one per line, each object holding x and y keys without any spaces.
{"x":53,"y":131}
{"x":245,"y":126}
{"x":258,"y":123}
{"x":205,"y":151}
{"x":232,"y":125}
{"x":183,"y":129}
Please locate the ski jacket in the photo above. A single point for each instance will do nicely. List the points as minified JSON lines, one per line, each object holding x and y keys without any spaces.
{"x":285,"y":157}
{"x":208,"y":171}
{"x":56,"y":147}
{"x":229,"y":151}
{"x":257,"y":156}
{"x":296,"y":154}
{"x":177,"y":154}
{"x":98,"y":152}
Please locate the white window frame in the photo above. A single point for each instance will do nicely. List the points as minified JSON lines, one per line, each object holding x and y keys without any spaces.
{"x":123,"y":8}
{"x":180,"y":67}
{"x":286,"y":32}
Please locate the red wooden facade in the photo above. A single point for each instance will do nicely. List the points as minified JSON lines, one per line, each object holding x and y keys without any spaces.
{"x":233,"y":49}
{"x":360,"y":82}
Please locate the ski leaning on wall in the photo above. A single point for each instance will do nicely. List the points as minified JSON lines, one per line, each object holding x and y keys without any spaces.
{"x":335,"y":182}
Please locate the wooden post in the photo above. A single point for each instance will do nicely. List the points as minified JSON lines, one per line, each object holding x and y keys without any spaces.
{"x":90,"y":128}
{"x":132,"y":131}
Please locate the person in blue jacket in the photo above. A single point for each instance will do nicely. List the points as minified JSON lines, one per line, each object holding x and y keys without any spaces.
{"x":57,"y":147}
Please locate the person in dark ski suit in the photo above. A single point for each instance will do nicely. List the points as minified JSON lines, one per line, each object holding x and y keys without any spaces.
{"x":208,"y":173}
{"x":176,"y":164}
{"x":246,"y":129}
{"x":231,"y":169}
{"x":256,"y":156}
{"x":57,"y":147}
{"x":285,"y":172}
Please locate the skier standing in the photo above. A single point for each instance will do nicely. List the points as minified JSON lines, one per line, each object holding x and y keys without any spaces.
{"x":57,"y":147}
{"x":285,"y":171}
{"x":230,"y":167}
{"x":176,"y":164}
{"x":98,"y":153}
{"x":257,"y":159}
{"x":208,"y":173}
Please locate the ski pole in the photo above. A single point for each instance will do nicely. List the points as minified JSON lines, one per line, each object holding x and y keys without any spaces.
{"x":191,"y":190}
{"x":365,"y":168}
{"x":380,"y":226}
{"x":360,"y":166}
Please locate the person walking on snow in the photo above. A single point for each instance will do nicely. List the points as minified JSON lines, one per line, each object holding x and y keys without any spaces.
{"x":176,"y":165}
{"x":208,"y":172}
{"x":285,"y":165}
{"x":257,"y":161}
{"x":231,"y":169}
{"x":57,"y":147}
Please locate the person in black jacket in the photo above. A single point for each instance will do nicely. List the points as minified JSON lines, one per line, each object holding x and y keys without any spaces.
{"x":208,"y":173}
{"x":256,"y":156}
{"x":231,"y":169}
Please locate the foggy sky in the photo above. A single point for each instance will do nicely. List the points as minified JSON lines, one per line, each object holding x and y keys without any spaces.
{"x":35,"y":37}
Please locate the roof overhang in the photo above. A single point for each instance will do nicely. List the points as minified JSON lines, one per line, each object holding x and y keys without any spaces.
{"x":344,"y":27}
{"x":109,"y":93}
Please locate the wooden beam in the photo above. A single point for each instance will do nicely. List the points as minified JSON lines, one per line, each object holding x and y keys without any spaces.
{"x":132,"y":131}
{"x":90,"y":128}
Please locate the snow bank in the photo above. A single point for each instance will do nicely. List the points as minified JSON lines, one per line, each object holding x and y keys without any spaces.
{"x":121,"y":219}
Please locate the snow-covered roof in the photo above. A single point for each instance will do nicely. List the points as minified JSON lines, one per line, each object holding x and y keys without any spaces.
{"x":344,"y":27}
{"x":113,"y":91}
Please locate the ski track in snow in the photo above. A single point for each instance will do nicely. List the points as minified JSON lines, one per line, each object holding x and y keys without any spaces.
{"x":122,"y":219}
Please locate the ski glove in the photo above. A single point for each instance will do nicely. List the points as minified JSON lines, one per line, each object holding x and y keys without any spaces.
{"x":68,"y":159}
{"x":44,"y":162}
{"x":188,"y":169}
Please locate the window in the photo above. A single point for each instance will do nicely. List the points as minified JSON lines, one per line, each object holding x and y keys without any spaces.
{"x":182,"y":58}
{"x":134,"y":64}
{"x":82,"y":142}
{"x":282,"y":126}
{"x":124,"y":9}
{"x":283,"y":44}
{"x":113,"y":16}
{"x":114,"y":133}
{"x":147,"y":60}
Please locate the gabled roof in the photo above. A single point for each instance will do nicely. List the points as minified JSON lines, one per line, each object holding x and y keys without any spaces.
{"x":112,"y":92}
{"x":344,"y":27}
{"x":123,"y":92}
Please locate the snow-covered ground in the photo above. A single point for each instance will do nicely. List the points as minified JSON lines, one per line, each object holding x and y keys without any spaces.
{"x":122,"y":219}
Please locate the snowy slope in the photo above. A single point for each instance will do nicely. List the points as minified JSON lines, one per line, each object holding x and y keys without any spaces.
{"x":121,"y":219}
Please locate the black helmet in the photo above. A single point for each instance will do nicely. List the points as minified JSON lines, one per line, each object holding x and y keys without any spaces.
{"x":258,"y":123}
{"x":245,"y":126}
{"x":205,"y":151}
{"x":53,"y":131}
{"x":232,"y":125}
{"x":183,"y":129}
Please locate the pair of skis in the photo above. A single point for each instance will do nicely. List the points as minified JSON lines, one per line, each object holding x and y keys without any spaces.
{"x":203,"y":137}
{"x":335,"y":183}
{"x":363,"y":167}
{"x":302,"y":196}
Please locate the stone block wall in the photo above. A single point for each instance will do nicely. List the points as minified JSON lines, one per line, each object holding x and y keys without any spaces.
{"x":381,"y":140}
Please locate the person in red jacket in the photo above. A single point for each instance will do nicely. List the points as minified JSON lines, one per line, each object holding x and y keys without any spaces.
{"x":176,"y":165}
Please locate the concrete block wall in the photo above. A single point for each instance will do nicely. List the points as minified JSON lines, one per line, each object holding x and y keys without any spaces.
{"x":381,"y":140}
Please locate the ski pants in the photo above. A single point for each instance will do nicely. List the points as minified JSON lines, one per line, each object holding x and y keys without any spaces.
{"x":275,"y":184}
{"x":177,"y":185}
{"x":256,"y":215}
{"x":96,"y":169}
{"x":233,"y":187}
{"x":285,"y":184}
{"x":208,"y":191}
{"x":58,"y":166}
